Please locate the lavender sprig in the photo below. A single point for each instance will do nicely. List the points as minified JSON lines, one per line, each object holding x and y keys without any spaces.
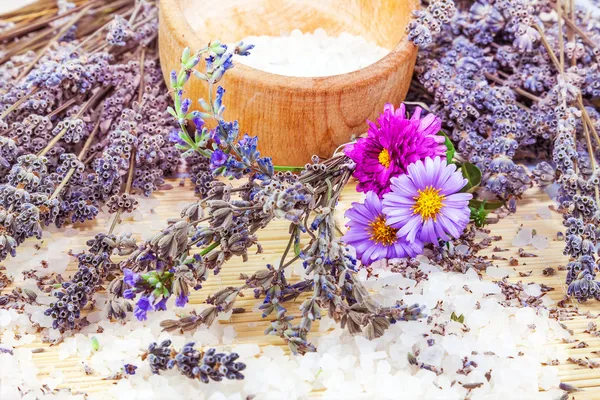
{"x":168,"y":265}
{"x":203,"y":365}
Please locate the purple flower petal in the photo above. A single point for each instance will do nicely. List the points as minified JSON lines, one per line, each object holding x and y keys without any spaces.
{"x":361,"y":236}
{"x":392,"y":144}
{"x":449,"y":218}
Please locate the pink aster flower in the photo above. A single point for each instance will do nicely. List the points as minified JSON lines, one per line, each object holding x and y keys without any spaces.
{"x":425,"y":204}
{"x":372,"y":237}
{"x":391,"y":145}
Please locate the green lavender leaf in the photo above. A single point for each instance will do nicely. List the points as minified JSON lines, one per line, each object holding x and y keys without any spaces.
{"x":473,"y":176}
{"x":185,"y":56}
{"x":488,"y":205}
{"x":95,"y":343}
{"x":450,"y":150}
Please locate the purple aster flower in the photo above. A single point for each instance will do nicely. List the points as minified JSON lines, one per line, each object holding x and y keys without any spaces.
{"x":131,"y":278}
{"x":143,"y":305}
{"x":424,"y":205}
{"x":393,"y":144}
{"x":161,"y":305}
{"x":218,"y":159}
{"x":372,"y":237}
{"x":181,"y":300}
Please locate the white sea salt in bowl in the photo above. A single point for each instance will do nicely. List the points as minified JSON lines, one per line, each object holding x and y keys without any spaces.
{"x":312,"y":54}
{"x":296,"y":117}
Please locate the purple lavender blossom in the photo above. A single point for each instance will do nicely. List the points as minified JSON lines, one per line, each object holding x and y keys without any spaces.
{"x":128,"y":294}
{"x":218,"y":159}
{"x":130,"y":277}
{"x":143,"y":305}
{"x":161,"y":305}
{"x":181,"y":300}
{"x":175,"y":137}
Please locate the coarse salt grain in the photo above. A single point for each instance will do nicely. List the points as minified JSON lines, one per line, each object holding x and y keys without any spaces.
{"x":540,"y":242}
{"x":311,"y":54}
{"x":523,"y":237}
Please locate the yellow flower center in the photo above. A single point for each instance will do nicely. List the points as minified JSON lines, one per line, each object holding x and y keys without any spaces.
{"x":428,"y":203}
{"x":381,"y":232}
{"x":384,"y":158}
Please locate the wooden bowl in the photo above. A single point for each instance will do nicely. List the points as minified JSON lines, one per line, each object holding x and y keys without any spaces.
{"x":295,"y":117}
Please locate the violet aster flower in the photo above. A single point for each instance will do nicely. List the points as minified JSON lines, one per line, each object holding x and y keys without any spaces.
{"x":143,"y":305}
{"x":393,"y":144}
{"x":424,"y":205}
{"x":372,"y":237}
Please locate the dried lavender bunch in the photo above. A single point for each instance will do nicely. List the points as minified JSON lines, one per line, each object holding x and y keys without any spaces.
{"x":203,"y":365}
{"x":168,"y":264}
{"x":519,"y":78}
{"x":79,"y":117}
{"x":93,"y":266}
{"x":483,"y":67}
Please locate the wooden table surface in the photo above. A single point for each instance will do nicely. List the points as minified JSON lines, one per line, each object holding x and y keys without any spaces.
{"x":249,"y":326}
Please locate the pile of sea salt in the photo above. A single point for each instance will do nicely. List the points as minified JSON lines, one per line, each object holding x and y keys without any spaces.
{"x":311,"y":54}
{"x":496,"y":352}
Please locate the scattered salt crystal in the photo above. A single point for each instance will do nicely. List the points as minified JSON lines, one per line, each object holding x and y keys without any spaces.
{"x":548,"y":378}
{"x":462,"y":249}
{"x":229,"y":334}
{"x":523,"y":238}
{"x":544,"y":212}
{"x":311,"y":54}
{"x":273,"y":351}
{"x":225,"y":316}
{"x":247,"y":350}
{"x":540,"y":242}
{"x":5,"y":317}
{"x":499,"y":272}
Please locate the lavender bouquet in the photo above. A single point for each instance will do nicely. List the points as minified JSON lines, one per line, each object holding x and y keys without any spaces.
{"x":82,"y":119}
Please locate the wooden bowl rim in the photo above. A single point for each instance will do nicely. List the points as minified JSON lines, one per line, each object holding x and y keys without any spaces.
{"x":187,"y":37}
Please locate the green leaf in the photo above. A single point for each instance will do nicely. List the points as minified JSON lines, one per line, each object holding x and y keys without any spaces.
{"x":473,"y":176}
{"x":488,"y":205}
{"x":460,"y":319}
{"x":297,"y":248}
{"x":185,"y":56}
{"x":450,"y":150}
{"x":95,"y":343}
{"x":284,"y":168}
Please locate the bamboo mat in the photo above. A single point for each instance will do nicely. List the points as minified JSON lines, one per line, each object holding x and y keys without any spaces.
{"x":250,"y":327}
